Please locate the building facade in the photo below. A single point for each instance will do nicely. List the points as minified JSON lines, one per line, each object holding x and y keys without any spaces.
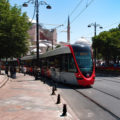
{"x":46,"y":36}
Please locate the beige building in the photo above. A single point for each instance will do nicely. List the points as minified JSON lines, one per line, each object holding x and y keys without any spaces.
{"x":44,"y":34}
{"x":46,"y":37}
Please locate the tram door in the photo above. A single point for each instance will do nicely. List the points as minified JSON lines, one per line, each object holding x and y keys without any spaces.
{"x":68,"y":69}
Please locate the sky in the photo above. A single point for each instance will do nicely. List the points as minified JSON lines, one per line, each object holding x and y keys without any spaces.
{"x":105,"y":13}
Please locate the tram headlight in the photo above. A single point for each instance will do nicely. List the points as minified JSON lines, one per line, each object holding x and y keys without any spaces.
{"x":79,"y":75}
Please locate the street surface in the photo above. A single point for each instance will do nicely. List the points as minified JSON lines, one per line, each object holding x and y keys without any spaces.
{"x":100,"y":102}
{"x":25,"y":98}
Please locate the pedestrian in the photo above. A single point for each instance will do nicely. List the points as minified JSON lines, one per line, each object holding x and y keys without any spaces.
{"x":20,"y":69}
{"x":14,"y":72}
{"x":33,"y":71}
{"x":11,"y":71}
{"x":6,"y":70}
{"x":24,"y":70}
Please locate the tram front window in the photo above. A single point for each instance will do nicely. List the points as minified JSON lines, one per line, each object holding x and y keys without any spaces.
{"x":84,"y":61}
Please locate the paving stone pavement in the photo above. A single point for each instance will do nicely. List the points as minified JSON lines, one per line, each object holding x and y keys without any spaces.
{"x":24,"y":98}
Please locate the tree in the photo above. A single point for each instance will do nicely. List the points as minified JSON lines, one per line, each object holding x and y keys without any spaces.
{"x":108,"y":44}
{"x":58,"y":46}
{"x":115,"y":44}
{"x":13,"y":31}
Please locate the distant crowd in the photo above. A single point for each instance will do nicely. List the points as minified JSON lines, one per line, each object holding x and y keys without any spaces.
{"x":22,"y":69}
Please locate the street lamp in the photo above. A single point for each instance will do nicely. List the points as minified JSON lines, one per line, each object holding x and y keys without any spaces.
{"x":37,"y":20}
{"x":95,"y":26}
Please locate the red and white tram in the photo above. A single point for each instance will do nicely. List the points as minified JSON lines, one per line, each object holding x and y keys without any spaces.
{"x":71,"y":64}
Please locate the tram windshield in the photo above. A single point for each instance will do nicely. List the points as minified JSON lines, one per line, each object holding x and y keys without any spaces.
{"x":84,"y":59}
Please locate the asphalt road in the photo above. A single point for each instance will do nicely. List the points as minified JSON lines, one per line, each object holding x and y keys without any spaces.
{"x":100,"y":102}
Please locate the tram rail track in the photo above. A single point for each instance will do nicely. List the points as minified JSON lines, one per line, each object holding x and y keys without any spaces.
{"x":106,"y":93}
{"x":98,"y":104}
{"x":109,"y":80}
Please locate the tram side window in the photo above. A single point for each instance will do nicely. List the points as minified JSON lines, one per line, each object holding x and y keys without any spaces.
{"x":43,"y":63}
{"x":71,"y":64}
{"x":64,"y":63}
{"x":51,"y":61}
{"x":68,"y":63}
{"x":57,"y":61}
{"x":47,"y":63}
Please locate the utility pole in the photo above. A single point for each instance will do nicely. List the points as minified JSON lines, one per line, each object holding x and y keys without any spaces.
{"x":68,"y":31}
{"x":95,"y":26}
{"x":37,"y":29}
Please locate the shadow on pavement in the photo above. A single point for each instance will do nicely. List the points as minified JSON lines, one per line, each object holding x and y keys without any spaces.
{"x":60,"y":85}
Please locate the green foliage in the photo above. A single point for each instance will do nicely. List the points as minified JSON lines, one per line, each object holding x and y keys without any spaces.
{"x":58,"y":46}
{"x":108,"y":44}
{"x":32,"y":53}
{"x":13,"y":31}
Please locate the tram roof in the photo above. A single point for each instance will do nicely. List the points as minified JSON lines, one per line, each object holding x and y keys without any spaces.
{"x":57,"y":51}
{"x":30,"y":57}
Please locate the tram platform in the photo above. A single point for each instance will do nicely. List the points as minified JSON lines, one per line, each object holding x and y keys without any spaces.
{"x":25,"y":98}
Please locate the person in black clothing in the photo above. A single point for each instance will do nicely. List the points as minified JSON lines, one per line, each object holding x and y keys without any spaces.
{"x":6,"y":70}
{"x":12,"y":71}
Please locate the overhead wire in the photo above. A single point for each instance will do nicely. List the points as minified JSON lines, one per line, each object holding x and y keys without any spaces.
{"x":87,"y":2}
{"x":112,"y":24}
{"x":87,"y":5}
{"x":76,"y":7}
{"x":79,"y":3}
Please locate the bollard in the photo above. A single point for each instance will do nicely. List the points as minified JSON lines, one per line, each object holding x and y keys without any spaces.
{"x":53,"y":91}
{"x":58,"y":99}
{"x":64,"y":110}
